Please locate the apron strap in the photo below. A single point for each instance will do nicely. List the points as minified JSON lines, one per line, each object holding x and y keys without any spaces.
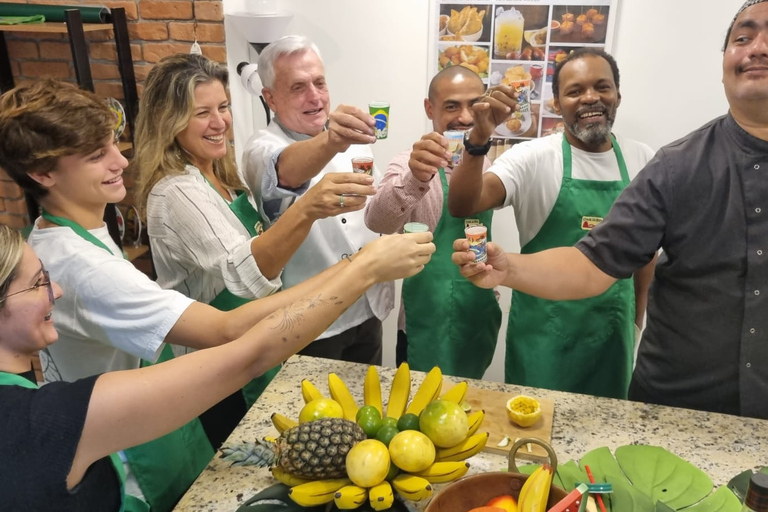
{"x":568,"y":159}
{"x":78,"y":229}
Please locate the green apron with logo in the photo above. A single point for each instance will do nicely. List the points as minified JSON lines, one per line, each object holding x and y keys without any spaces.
{"x":166,"y":466}
{"x":450,"y":322}
{"x":127,"y":503}
{"x":581,"y":346}
{"x":227,"y":301}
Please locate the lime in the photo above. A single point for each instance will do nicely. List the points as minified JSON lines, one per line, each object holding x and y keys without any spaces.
{"x":393,"y":472}
{"x":408,"y":421}
{"x":320,"y":408}
{"x":370,"y":424}
{"x":386,"y":433}
{"x":444,"y":422}
{"x":389,"y":422}
{"x":465,"y":406}
{"x":367,"y":410}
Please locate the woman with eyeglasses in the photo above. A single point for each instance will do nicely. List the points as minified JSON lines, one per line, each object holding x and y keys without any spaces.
{"x":58,"y":441}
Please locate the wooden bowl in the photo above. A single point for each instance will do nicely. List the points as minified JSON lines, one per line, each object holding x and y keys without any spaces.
{"x":477,"y":490}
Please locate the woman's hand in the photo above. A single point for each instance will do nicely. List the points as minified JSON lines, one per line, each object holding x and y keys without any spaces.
{"x":393,"y":257}
{"x":337,"y":192}
{"x":483,"y":275}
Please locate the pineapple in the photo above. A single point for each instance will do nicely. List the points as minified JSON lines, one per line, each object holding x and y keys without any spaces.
{"x":314,"y":450}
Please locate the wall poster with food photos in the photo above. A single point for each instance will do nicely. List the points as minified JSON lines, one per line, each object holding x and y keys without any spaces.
{"x":519,"y":43}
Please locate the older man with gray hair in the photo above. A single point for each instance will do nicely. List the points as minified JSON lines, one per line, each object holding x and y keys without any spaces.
{"x":307,"y":145}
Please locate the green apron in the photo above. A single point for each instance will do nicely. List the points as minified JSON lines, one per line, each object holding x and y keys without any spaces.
{"x":227,"y":301}
{"x":166,"y":466}
{"x":581,"y":346}
{"x":127,"y":503}
{"x":449,"y":322}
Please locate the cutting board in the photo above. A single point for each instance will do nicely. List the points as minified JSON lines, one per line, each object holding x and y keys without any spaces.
{"x":497,"y":423}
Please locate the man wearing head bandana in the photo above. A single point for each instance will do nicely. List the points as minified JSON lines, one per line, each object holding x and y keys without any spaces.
{"x":704,"y":201}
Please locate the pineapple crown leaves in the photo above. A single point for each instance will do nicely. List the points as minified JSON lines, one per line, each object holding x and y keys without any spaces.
{"x":261,"y":454}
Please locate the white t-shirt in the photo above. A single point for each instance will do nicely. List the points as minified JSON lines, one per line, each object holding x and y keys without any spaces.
{"x":110,"y":314}
{"x":532,"y":173}
{"x":199,"y":247}
{"x":329,"y":239}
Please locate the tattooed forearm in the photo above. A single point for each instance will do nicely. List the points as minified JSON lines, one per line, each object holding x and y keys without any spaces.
{"x":292,"y":316}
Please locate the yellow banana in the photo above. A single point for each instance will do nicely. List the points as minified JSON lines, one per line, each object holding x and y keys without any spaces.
{"x":441,"y":472}
{"x":287,"y":478}
{"x":428,"y":391}
{"x":381,"y":496}
{"x":399,"y":392}
{"x":372,"y":389}
{"x":475,"y":420}
{"x":457,"y":393}
{"x":282,"y":423}
{"x":309,"y":391}
{"x":341,"y":394}
{"x":464,"y":450}
{"x":534,"y":499}
{"x":317,"y":492}
{"x":412,"y":487}
{"x":350,"y":496}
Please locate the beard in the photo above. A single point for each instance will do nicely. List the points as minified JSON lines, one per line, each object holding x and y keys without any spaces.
{"x":594,"y":134}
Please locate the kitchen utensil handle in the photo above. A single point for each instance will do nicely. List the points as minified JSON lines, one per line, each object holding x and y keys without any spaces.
{"x":512,"y":467}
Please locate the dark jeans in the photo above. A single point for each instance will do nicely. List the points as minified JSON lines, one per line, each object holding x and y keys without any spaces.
{"x":359,"y":344}
{"x":220,"y":420}
{"x":401,"y":349}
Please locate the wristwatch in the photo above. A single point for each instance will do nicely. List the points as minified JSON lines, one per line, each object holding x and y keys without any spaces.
{"x":474,"y":150}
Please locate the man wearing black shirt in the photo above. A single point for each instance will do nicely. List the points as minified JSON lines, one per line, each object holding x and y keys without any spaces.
{"x":703,"y":200}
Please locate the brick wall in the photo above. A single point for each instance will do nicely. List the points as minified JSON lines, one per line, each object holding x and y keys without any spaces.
{"x":157,"y":28}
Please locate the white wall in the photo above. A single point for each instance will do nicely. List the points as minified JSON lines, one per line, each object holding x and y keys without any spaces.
{"x":668,"y":53}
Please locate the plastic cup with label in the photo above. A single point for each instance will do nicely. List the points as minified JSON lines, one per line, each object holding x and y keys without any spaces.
{"x":362,"y":165}
{"x":508,"y":35}
{"x":455,"y":140}
{"x":379,"y":110}
{"x":415,"y":227}
{"x":477,"y":236}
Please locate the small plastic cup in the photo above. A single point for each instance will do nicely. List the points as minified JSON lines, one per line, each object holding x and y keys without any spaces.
{"x":477,"y":236}
{"x":523,"y":88}
{"x":415,"y":227}
{"x":455,"y":146}
{"x":380,"y":112}
{"x":362,"y":165}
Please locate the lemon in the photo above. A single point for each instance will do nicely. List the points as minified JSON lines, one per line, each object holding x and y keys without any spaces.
{"x":523,"y":410}
{"x":444,"y":422}
{"x":412,"y":451}
{"x":368,"y":463}
{"x":320,"y":408}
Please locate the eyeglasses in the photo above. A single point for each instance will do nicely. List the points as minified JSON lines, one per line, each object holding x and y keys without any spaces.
{"x":46,"y":282}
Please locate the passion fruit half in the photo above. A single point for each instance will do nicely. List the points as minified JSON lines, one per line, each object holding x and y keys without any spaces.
{"x":523,"y":410}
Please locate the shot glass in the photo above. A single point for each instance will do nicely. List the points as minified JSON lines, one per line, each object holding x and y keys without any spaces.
{"x":362,"y":165}
{"x":455,"y":146}
{"x":380,"y":112}
{"x":415,"y":227}
{"x":477,"y":236}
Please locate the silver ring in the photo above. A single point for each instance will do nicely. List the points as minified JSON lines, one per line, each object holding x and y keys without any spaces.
{"x":489,"y":93}
{"x":341,"y":200}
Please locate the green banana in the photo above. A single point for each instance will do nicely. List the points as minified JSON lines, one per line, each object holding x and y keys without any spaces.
{"x":412,"y":487}
{"x":381,"y":496}
{"x":282,"y":423}
{"x":287,"y":478}
{"x":475,"y":420}
{"x":428,"y":391}
{"x":309,"y":391}
{"x":341,"y":394}
{"x":464,"y":450}
{"x":457,"y":393}
{"x":372,"y":389}
{"x":350,"y":497}
{"x":399,"y":392}
{"x":317,"y":492}
{"x":441,"y":472}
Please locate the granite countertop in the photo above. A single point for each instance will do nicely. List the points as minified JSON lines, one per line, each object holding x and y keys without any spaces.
{"x":720,"y":445}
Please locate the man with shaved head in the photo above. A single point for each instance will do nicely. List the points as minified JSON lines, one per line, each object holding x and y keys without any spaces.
{"x":448,"y":324}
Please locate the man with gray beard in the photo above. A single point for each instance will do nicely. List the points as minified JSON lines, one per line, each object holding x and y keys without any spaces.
{"x":560,"y":187}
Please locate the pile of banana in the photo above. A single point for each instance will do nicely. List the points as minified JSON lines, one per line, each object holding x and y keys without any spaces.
{"x":410,"y":444}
